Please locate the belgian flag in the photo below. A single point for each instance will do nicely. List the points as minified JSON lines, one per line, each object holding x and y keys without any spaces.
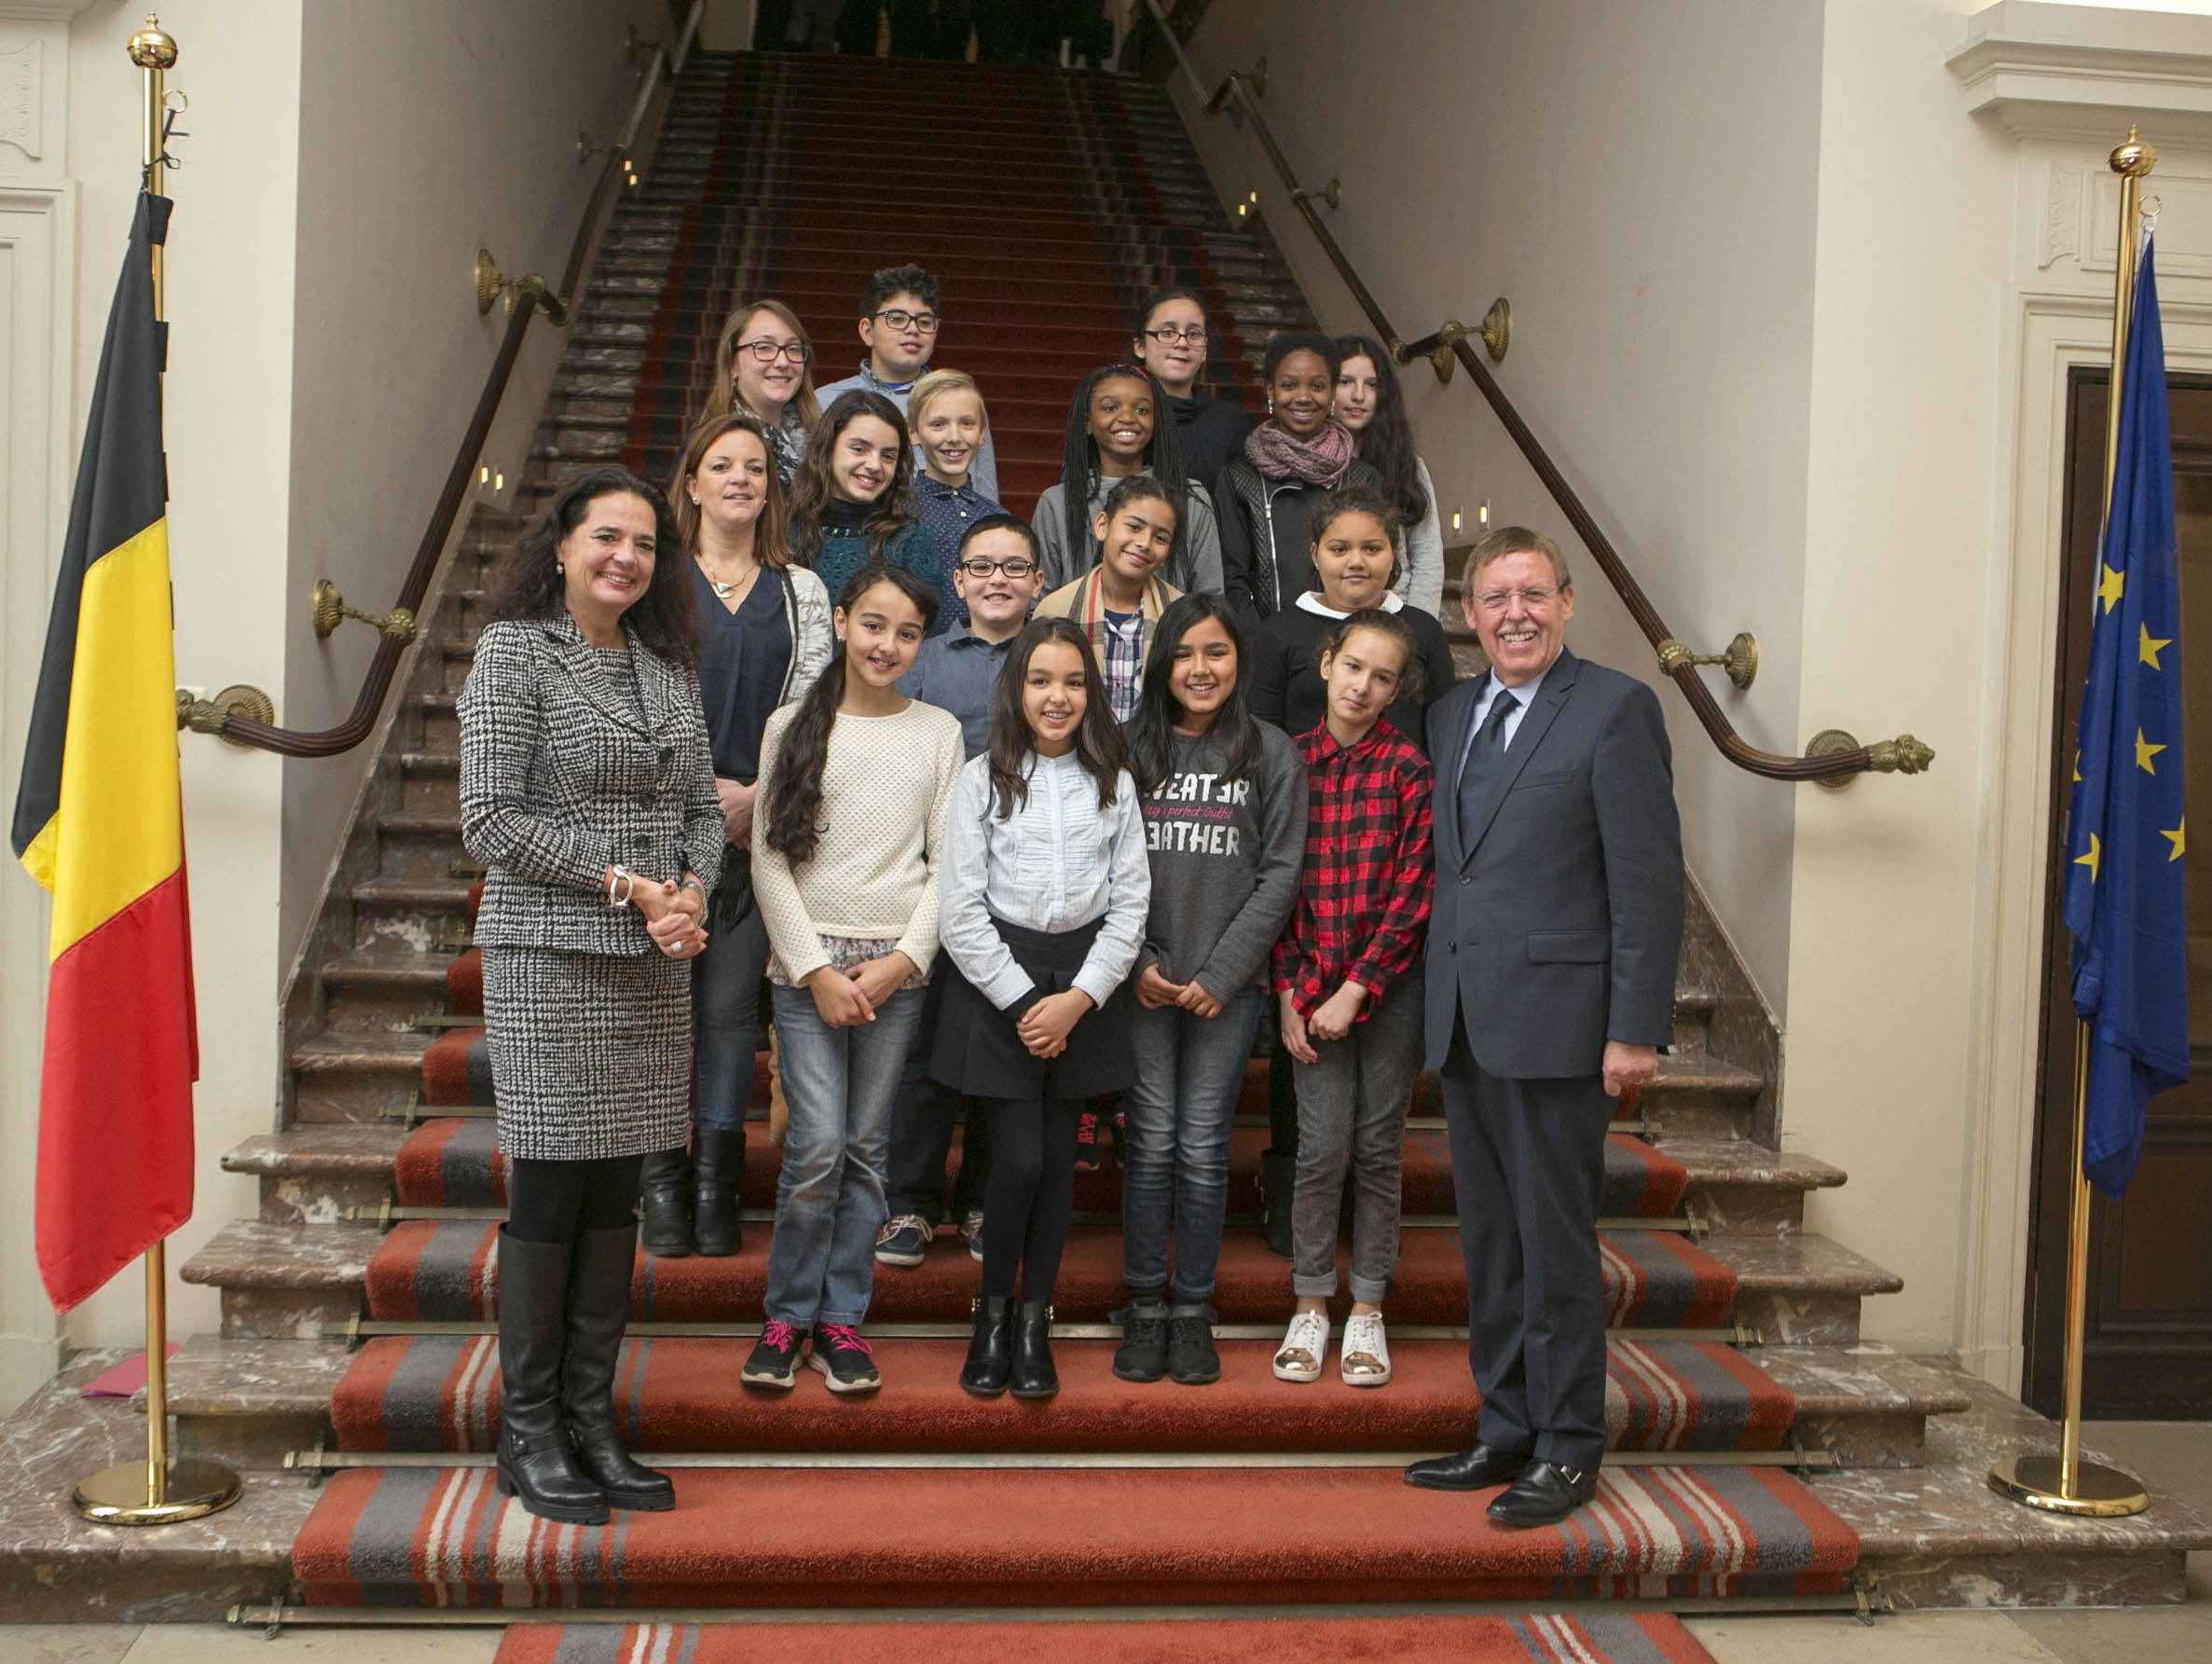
{"x":98,"y":821}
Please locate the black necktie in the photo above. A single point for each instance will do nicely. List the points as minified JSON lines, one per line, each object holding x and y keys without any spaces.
{"x":1483,"y":757}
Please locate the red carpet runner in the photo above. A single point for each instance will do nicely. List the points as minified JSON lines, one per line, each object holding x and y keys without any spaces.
{"x":1628,"y":1639}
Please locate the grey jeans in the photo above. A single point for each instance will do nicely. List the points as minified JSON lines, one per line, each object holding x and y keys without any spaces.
{"x":1352,"y":1105}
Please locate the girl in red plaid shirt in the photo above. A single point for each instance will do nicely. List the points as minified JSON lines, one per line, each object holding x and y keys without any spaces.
{"x":1347,"y":972}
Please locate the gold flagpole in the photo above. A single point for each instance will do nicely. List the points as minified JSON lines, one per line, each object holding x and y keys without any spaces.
{"x":157,"y":1491}
{"x":2064,"y":1483}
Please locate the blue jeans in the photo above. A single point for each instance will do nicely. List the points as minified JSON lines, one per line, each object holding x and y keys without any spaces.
{"x":1190,"y":1071}
{"x":839,"y":1084}
{"x":726,"y":1021}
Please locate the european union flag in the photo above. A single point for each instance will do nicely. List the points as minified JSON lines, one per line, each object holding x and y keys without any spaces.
{"x":2124,"y":832}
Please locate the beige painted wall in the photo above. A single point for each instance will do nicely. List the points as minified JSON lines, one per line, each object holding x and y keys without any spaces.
{"x":1638,"y":180}
{"x":429,"y":128}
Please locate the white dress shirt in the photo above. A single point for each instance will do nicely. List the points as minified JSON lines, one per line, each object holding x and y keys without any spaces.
{"x":1055,"y":864}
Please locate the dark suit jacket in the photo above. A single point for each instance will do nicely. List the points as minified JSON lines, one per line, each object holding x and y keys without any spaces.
{"x":1559,"y":916}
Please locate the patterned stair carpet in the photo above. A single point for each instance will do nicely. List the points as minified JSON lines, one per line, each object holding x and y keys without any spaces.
{"x":681,"y":1394}
{"x":777,"y":207}
{"x":414,"y":1537}
{"x":1638,"y":1638}
{"x":445,"y":1271}
{"x":455,"y":1162}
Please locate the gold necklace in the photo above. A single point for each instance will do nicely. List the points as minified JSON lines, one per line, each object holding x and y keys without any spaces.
{"x":722,"y":591}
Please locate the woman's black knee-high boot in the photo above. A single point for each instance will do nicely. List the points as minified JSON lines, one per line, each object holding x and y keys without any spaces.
{"x":536,"y":1462}
{"x":598,"y":1307}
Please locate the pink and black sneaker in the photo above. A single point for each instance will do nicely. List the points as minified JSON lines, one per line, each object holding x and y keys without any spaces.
{"x":846,"y":1361}
{"x":774,"y":1361}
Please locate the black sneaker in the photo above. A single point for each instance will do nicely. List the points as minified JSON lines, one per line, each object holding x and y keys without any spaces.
{"x":846,"y":1361}
{"x":1087,"y":1158}
{"x":1190,"y":1356}
{"x":774,"y":1361}
{"x":1143,"y":1353}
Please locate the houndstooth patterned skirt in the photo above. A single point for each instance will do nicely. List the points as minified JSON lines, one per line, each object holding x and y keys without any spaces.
{"x":591,"y":1053}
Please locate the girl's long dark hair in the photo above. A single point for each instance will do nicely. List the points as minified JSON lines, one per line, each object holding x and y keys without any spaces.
{"x":792,"y":793}
{"x":528,"y":583}
{"x":1099,"y":746}
{"x":1151,"y":740}
{"x":1078,"y":462}
{"x":1387,"y":441}
{"x":813,"y":485}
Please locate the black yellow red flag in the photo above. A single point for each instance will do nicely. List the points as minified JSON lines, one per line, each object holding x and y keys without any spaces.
{"x":99,"y":822}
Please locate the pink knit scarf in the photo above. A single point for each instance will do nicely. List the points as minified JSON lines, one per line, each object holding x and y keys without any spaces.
{"x":1278,"y":455}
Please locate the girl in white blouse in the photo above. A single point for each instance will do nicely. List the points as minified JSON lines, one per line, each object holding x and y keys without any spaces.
{"x":1042,"y":900}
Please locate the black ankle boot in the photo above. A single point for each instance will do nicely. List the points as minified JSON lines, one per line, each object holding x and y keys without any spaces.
{"x":536,"y":1462}
{"x":598,"y":1307}
{"x":990,"y":1349}
{"x":664,"y":1192}
{"x":717,"y":1162}
{"x":1033,"y":1376}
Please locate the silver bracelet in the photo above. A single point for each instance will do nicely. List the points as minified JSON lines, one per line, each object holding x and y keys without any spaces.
{"x":629,"y":887}
{"x":692,"y":884}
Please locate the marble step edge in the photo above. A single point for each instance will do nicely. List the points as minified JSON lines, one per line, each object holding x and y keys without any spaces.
{"x":211,"y":1375}
{"x":260,"y":1254}
{"x":358,"y":1149}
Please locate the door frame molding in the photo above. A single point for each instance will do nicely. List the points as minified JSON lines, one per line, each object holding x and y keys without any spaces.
{"x":2056,"y":333}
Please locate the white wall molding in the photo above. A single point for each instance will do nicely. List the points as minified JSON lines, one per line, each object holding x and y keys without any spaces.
{"x":2046,"y":71}
{"x":37,"y":311}
{"x":34,"y":90}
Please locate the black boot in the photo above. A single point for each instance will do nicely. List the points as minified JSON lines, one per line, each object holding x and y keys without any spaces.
{"x":990,"y":1349}
{"x":598,"y":1307}
{"x":1033,"y":1376}
{"x":535,"y":1459}
{"x":665,"y":1188}
{"x":717,"y":1162}
{"x":1278,"y":1183}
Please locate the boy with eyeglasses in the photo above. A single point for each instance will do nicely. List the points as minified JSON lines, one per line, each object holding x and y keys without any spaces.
{"x":997,"y":574}
{"x":1169,"y":337}
{"x":899,"y":319}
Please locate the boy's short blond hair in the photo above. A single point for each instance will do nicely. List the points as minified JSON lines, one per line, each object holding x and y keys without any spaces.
{"x":934,"y":386}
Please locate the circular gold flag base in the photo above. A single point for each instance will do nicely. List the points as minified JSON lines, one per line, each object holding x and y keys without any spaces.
{"x":2101,"y":1491}
{"x":117,"y":1496}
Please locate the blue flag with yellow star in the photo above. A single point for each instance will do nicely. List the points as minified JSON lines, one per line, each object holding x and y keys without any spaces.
{"x":2125,"y":830}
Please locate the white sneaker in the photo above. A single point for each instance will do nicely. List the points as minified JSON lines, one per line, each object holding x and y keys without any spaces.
{"x":1305,"y":1344}
{"x":1365,"y":1360}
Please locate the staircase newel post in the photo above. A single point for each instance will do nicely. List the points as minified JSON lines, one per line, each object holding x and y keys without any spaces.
{"x":2065,"y":1484}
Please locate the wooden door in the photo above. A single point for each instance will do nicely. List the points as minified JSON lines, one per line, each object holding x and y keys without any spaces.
{"x":2147,"y":1351}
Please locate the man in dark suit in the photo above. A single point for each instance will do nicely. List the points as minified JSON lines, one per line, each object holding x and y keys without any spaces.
{"x":1550,"y":989}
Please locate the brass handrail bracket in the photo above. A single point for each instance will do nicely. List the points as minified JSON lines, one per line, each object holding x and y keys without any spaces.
{"x":329,"y":609}
{"x":491,"y":286}
{"x":1740,"y":658}
{"x":207,"y":716}
{"x":1495,"y":332}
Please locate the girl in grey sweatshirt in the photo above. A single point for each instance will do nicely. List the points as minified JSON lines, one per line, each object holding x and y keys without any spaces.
{"x":1223,"y":799}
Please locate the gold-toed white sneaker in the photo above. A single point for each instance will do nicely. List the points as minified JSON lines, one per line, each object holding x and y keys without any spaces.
{"x":1366,"y":1357}
{"x":1305,"y":1343}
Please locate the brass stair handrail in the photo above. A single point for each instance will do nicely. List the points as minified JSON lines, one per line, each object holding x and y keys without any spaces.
{"x":1239,"y":93}
{"x":231,"y":722}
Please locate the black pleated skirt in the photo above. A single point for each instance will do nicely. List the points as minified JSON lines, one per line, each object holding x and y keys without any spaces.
{"x":976,"y":1051}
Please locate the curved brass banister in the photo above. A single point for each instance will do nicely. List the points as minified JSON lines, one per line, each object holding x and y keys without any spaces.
{"x":529,"y":297}
{"x":1901,"y":755}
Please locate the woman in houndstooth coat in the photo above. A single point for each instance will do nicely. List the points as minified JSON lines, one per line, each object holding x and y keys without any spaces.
{"x":587,"y":791}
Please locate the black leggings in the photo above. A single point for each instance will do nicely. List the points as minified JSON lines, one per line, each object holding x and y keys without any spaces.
{"x":1031,"y":1194}
{"x":555,"y":1202}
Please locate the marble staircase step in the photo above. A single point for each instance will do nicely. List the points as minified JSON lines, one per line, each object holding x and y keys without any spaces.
{"x":256,"y":1402}
{"x":304,"y":1280}
{"x":314,"y":1172}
